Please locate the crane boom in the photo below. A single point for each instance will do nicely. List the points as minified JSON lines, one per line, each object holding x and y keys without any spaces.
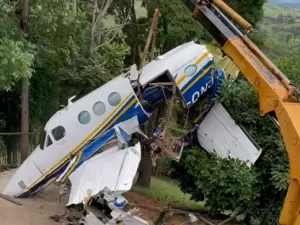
{"x":277,"y":95}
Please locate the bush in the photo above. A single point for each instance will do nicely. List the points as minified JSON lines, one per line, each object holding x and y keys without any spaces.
{"x":224,"y":184}
{"x":229,"y":184}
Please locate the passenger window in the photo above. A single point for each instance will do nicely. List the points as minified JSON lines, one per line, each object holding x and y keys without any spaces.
{"x":58,"y":133}
{"x":114,"y":99}
{"x":99,"y":108}
{"x":190,"y":70}
{"x":84,"y":117}
{"x":49,"y":141}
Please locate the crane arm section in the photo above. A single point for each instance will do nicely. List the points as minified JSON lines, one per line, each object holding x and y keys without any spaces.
{"x":277,"y":95}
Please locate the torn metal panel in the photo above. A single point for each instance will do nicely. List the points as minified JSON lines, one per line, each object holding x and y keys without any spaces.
{"x":131,"y":126}
{"x":112,"y":170}
{"x":218,"y":133}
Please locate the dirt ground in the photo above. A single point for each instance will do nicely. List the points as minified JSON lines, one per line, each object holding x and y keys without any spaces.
{"x":38,"y":209}
{"x":34,"y":211}
{"x":150,"y":214}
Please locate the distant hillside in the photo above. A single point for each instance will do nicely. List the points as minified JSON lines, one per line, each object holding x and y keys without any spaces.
{"x":273,"y":10}
{"x":287,"y":3}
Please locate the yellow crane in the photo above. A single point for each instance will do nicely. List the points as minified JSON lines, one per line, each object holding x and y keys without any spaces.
{"x":278,"y":97}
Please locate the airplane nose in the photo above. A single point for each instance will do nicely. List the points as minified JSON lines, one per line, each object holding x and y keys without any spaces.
{"x":25,"y":175}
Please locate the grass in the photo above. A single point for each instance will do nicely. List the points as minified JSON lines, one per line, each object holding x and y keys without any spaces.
{"x":167,"y":192}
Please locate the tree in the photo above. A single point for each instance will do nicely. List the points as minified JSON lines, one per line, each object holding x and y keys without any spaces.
{"x":261,"y":194}
{"x":251,"y":10}
{"x":270,"y":171}
{"x":55,"y":55}
{"x":223,"y":184}
{"x":280,"y":18}
{"x":124,"y":10}
{"x":176,"y":26}
{"x":269,"y":187}
{"x":16,"y":54}
{"x":24,"y":93}
{"x":64,"y":58}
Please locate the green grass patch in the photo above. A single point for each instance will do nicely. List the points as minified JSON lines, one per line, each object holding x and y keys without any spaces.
{"x":167,"y":192}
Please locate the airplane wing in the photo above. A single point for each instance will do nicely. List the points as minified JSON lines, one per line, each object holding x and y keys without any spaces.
{"x":112,"y":171}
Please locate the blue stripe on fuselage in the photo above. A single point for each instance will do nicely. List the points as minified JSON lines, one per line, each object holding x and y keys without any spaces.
{"x":123,"y":113}
{"x":193,"y":93}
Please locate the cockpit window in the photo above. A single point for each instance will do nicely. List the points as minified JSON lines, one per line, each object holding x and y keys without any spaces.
{"x":49,"y":141}
{"x":58,"y":133}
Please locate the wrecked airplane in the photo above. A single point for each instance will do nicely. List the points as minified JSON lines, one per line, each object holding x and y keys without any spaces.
{"x":95,"y":133}
{"x":87,"y":124}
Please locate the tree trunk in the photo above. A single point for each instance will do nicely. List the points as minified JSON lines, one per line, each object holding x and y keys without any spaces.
{"x":135,"y":54}
{"x":24,"y":121}
{"x":93,"y":28}
{"x":9,"y":158}
{"x":145,"y":168}
{"x":74,"y":5}
{"x":24,"y":95}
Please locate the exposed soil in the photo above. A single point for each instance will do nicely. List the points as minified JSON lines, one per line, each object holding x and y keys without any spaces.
{"x":34,"y":211}
{"x":150,"y":214}
{"x":147,"y":214}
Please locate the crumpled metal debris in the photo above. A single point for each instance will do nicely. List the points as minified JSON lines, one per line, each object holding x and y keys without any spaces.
{"x":192,"y":218}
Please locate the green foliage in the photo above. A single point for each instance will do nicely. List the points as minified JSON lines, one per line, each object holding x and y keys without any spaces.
{"x":224,"y":184}
{"x":63,"y":62}
{"x":251,"y":10}
{"x":178,"y":125}
{"x":16,"y":55}
{"x":272,"y":167}
{"x":15,"y":63}
{"x":168,"y":192}
{"x":263,"y":187}
{"x":273,"y":10}
{"x":176,"y":25}
{"x":289,"y":67}
{"x":166,"y":165}
{"x":55,"y":55}
{"x":279,"y":28}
